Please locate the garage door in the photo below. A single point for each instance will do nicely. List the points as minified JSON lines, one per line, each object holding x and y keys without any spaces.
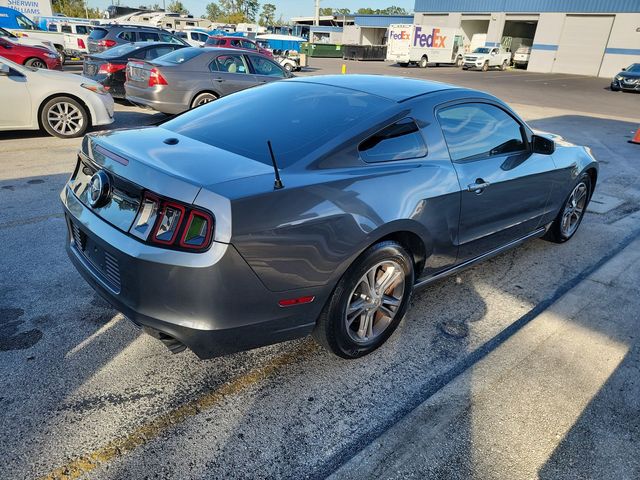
{"x":582,"y":44}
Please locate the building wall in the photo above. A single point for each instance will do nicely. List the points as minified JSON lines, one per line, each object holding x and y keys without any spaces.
{"x":622,"y":46}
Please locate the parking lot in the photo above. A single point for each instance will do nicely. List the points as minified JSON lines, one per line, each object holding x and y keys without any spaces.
{"x":85,"y":393}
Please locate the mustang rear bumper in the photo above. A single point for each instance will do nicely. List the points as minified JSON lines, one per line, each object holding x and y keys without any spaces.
{"x":214,"y":305}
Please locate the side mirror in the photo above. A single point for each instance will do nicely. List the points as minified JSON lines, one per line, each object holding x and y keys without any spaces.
{"x":542,"y":145}
{"x":624,"y":69}
{"x":5,"y":71}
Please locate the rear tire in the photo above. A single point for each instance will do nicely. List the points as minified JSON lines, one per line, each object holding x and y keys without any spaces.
{"x":35,"y":63}
{"x":458,"y":62}
{"x":356,"y":319}
{"x":424,"y":61}
{"x":572,"y":212}
{"x":203,"y":98}
{"x":288,"y":67}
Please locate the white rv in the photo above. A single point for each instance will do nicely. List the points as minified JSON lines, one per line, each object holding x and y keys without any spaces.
{"x":421,"y":45}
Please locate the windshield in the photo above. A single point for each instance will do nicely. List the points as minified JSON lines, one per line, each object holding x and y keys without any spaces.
{"x":308,"y":116}
{"x":25,"y":23}
{"x":181,"y":56}
{"x":482,"y":50}
{"x":118,"y":51}
{"x":635,"y":68}
{"x":98,"y":33}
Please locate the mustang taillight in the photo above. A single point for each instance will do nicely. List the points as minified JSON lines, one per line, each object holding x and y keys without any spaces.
{"x":166,"y":223}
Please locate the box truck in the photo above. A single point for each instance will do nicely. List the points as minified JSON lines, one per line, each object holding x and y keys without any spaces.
{"x":421,"y":45}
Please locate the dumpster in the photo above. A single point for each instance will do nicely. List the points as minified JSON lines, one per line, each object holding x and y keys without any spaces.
{"x":324,"y":50}
{"x":364,"y":52}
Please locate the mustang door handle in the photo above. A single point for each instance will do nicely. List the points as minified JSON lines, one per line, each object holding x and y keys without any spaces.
{"x":478,"y":187}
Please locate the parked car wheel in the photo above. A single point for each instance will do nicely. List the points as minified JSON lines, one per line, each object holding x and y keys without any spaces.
{"x":485,"y":66}
{"x":368,"y":302}
{"x":64,"y":117}
{"x":504,"y":65}
{"x":424,"y":61}
{"x":35,"y":63}
{"x":570,"y":216}
{"x":288,"y":67}
{"x":203,"y":98}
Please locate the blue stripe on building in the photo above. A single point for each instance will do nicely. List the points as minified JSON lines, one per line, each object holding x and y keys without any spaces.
{"x":529,"y":6}
{"x":544,"y":46}
{"x":623,"y":51}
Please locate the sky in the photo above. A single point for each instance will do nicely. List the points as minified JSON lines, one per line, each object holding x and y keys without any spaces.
{"x":286,"y":8}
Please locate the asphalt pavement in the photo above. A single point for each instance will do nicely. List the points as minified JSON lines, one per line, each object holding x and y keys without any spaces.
{"x":539,"y":377}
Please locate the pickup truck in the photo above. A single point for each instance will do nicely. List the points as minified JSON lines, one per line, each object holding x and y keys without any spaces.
{"x":487,"y":57}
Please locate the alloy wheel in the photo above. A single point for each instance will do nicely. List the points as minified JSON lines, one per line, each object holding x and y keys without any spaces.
{"x":574,"y":210}
{"x":374,"y":301}
{"x":204,"y":100}
{"x":38,"y":64}
{"x":65,"y":118}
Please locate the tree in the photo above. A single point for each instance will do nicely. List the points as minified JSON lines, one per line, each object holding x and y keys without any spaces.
{"x":384,"y":11}
{"x":268,"y":14}
{"x":214,"y":12}
{"x":342,"y":11}
{"x":324,"y":11}
{"x":74,"y":8}
{"x":239,"y":11}
{"x":176,"y":6}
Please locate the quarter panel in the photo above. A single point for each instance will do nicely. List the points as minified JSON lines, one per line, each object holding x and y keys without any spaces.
{"x":308,"y":235}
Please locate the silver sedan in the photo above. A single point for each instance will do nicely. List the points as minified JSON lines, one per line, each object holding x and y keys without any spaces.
{"x":191,"y":77}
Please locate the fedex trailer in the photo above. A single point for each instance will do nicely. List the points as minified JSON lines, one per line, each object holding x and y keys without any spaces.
{"x":421,"y":45}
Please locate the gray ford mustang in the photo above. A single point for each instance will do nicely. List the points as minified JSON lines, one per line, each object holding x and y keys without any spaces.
{"x":313,"y":205}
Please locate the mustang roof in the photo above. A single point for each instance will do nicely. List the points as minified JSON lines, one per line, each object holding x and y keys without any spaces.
{"x":392,"y":88}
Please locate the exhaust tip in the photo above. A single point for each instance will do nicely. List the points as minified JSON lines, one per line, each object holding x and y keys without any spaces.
{"x":174,"y":345}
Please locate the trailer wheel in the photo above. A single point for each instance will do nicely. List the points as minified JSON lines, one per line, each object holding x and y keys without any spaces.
{"x":423,"y":62}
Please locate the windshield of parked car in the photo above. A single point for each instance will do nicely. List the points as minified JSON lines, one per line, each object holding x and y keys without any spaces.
{"x":308,"y":116}
{"x":635,"y":68}
{"x":98,"y":33}
{"x":181,"y":56}
{"x":482,"y":50}
{"x":215,"y":41}
{"x":118,"y":51}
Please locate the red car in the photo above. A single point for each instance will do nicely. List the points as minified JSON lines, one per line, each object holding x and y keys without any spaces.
{"x":38,"y":57}
{"x":237,"y":42}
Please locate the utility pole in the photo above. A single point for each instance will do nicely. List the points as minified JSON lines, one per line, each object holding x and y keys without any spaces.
{"x":316,"y":20}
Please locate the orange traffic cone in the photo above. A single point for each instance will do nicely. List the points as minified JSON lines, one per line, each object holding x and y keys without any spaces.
{"x":636,"y":138}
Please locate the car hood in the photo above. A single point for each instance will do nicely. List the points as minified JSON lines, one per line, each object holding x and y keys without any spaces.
{"x":60,"y":77}
{"x":628,"y":74}
{"x":153,"y":154}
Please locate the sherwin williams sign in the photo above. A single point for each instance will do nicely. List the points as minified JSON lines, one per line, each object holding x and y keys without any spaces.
{"x":431,"y":40}
{"x":30,"y":8}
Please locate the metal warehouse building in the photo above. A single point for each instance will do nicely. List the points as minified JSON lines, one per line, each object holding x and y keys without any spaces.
{"x":584,"y":37}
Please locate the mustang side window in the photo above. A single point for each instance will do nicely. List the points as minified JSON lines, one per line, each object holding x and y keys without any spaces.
{"x":478,"y":130}
{"x":400,"y":141}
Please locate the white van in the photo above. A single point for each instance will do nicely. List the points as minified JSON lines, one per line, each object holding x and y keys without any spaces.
{"x":422,"y":45}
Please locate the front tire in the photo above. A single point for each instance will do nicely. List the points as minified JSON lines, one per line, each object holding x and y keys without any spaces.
{"x":35,"y":63}
{"x":368,"y":302}
{"x":573,"y":209}
{"x":64,"y":117}
{"x":485,"y":66}
{"x":504,"y":65}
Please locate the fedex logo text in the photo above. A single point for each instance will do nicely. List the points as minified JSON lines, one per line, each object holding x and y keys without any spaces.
{"x":403,"y":35}
{"x":432,"y":40}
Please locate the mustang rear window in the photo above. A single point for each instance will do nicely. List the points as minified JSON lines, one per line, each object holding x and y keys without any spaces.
{"x":297,"y":117}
